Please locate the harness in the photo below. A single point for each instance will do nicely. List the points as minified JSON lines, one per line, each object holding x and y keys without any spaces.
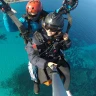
{"x":39,"y":38}
{"x":29,"y":29}
{"x":51,"y":50}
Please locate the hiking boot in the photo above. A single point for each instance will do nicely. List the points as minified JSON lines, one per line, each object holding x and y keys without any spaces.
{"x":36,"y":88}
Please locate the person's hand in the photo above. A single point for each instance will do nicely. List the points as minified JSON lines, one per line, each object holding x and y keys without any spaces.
{"x":5,"y":8}
{"x":65,"y":37}
{"x":51,"y":64}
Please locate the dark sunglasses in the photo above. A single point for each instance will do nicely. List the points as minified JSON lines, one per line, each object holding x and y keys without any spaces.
{"x":32,"y":15}
{"x":53,"y":29}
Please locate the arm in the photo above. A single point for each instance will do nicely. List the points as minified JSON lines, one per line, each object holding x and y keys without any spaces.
{"x":34,"y":58}
{"x":9,"y":17}
{"x":66,"y":7}
{"x":66,"y":45}
{"x":69,"y":22}
{"x":9,"y":25}
{"x":66,"y":42}
{"x":69,"y":18}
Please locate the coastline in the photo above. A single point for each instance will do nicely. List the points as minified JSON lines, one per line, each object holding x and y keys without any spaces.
{"x":13,"y":1}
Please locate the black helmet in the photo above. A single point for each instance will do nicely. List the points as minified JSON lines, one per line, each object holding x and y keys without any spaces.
{"x":54,"y":20}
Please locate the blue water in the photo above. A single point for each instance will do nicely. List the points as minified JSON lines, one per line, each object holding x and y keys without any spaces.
{"x":14,"y":76}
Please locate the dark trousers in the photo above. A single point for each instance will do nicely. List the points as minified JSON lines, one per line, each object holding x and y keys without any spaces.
{"x":63,"y":70}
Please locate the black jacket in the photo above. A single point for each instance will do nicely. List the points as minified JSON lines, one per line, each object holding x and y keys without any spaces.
{"x":44,"y":49}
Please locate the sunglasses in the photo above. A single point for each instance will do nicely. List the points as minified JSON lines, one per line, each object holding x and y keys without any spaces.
{"x":53,"y":28}
{"x":32,"y":15}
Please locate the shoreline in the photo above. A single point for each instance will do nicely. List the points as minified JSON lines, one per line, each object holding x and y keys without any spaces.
{"x":15,"y":1}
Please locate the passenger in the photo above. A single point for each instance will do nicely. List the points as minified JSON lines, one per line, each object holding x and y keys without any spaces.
{"x":45,"y":51}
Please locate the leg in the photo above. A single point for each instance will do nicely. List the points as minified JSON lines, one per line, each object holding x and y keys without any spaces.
{"x":33,"y":73}
{"x":65,"y":71}
{"x":44,"y":74}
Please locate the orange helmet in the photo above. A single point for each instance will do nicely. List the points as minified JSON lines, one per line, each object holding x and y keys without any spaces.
{"x":34,"y":6}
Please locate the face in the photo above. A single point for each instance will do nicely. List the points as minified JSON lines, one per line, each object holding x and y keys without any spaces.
{"x":49,"y":32}
{"x":32,"y":15}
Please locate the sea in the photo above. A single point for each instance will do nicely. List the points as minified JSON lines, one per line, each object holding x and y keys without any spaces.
{"x":14,"y":76}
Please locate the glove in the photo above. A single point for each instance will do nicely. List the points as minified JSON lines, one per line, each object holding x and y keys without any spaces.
{"x":67,"y":4}
{"x":65,"y":37}
{"x":51,"y":64}
{"x":5,"y":8}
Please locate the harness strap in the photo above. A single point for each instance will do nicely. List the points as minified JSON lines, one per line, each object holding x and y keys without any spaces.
{"x":69,"y":22}
{"x":39,"y":37}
